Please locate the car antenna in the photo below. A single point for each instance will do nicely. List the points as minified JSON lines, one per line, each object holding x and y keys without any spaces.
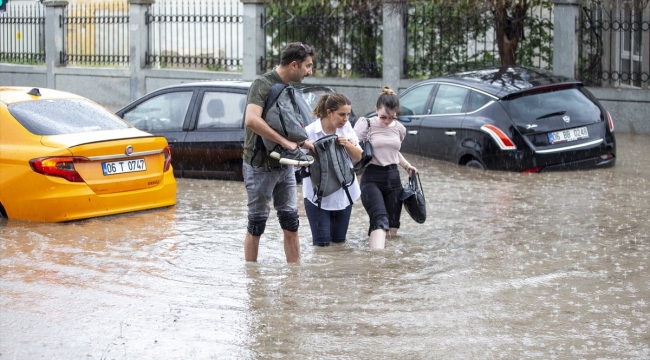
{"x":34,"y":91}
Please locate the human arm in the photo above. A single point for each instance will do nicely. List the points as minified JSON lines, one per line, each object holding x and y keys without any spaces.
{"x":353,"y":149}
{"x":361,"y":128}
{"x":406,"y":165}
{"x":255,"y":122}
{"x":308,"y":145}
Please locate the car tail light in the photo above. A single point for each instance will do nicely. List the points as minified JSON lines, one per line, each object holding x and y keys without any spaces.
{"x":62,"y":167}
{"x":532,"y":170}
{"x":499,"y":137}
{"x":609,"y":121}
{"x":168,"y":158}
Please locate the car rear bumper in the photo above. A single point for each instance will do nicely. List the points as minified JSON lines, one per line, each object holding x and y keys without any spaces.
{"x":48,"y":199}
{"x":584,"y":164}
{"x":597,"y":156}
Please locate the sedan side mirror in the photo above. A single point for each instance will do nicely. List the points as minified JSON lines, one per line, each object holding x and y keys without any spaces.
{"x":405,"y":119}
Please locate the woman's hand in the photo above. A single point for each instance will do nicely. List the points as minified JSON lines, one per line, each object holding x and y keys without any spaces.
{"x":410,"y":168}
{"x":341,"y":140}
{"x":406,"y":165}
{"x":353,"y":150}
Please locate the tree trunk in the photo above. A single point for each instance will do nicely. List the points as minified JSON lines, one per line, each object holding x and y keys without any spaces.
{"x":509,"y":28}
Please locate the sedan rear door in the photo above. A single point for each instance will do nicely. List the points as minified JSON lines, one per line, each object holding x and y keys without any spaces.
{"x":215,"y":142}
{"x":415,"y":106}
{"x":440,"y":130}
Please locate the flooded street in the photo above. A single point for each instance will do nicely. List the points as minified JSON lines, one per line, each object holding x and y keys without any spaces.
{"x":507,"y":265}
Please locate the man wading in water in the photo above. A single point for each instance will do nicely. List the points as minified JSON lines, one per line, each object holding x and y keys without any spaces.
{"x":265,"y":177}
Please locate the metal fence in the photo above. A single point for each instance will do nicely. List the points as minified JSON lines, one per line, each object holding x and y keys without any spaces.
{"x":611,"y":43}
{"x":96,"y":33}
{"x":22,"y":34}
{"x":196,"y":34}
{"x":614,"y":36}
{"x":347,"y":35}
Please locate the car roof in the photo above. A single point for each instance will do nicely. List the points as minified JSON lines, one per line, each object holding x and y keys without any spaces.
{"x":211,"y":83}
{"x":15,"y":94}
{"x":504,"y":81}
{"x":242,"y":84}
{"x":311,"y":87}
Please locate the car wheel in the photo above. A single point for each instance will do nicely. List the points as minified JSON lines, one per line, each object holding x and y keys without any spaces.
{"x":475,"y":164}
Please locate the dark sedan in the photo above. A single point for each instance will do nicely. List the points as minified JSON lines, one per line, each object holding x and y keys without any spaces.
{"x":203,"y":123}
{"x":516,"y":119}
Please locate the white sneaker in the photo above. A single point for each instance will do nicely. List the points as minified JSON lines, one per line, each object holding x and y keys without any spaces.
{"x":295,"y":157}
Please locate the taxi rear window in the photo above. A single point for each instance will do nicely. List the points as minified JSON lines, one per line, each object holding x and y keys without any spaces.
{"x":64,"y":116}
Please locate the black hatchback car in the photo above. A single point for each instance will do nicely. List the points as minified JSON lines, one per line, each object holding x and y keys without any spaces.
{"x":516,"y":119}
{"x":203,"y":123}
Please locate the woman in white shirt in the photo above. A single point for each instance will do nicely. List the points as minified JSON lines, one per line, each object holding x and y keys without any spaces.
{"x":329,"y":221}
{"x":381,"y":185}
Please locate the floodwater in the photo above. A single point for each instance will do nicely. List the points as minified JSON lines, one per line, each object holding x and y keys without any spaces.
{"x":548,"y":266}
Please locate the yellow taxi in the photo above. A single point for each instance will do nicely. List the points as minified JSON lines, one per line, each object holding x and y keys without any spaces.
{"x":64,"y":157}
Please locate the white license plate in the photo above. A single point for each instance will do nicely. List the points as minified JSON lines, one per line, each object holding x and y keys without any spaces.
{"x":124,"y":166}
{"x":568,"y":135}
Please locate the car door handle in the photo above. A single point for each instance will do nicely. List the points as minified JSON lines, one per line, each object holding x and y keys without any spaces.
{"x":450,"y":133}
{"x":170,"y":142}
{"x":412,"y":132}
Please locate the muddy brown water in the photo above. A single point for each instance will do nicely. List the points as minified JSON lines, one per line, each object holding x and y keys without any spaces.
{"x":549,"y":266}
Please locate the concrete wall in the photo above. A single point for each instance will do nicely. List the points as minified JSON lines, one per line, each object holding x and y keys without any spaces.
{"x":110,"y":87}
{"x":630,"y":108}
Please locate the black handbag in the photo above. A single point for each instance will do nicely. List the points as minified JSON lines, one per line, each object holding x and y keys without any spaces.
{"x":366,"y":156}
{"x":413,"y":199}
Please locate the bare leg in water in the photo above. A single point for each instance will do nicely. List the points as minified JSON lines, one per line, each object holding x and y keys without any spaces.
{"x":291,"y":246}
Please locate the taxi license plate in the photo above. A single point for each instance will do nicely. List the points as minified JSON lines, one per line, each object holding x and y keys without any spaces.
{"x":124,"y":166}
{"x":568,"y":135}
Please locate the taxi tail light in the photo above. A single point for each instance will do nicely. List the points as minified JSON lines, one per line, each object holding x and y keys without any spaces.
{"x":499,"y":137}
{"x":168,"y":158}
{"x":610,"y":122}
{"x":62,"y":167}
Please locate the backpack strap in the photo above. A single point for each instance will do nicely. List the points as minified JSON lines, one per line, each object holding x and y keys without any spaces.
{"x":323,"y":160}
{"x":292,"y":95}
{"x":341,"y":166}
{"x":290,"y":90}
{"x":259,"y":148}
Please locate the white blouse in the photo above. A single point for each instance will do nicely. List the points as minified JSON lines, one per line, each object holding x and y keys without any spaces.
{"x":339,"y":199}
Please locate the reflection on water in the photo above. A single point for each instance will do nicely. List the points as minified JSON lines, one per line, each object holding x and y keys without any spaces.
{"x":507,"y":265}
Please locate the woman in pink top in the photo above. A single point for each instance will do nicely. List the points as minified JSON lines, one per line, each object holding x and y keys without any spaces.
{"x":381,"y":185}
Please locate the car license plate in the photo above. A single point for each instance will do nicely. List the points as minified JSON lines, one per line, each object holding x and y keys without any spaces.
{"x":568,"y":135}
{"x":124,"y":166}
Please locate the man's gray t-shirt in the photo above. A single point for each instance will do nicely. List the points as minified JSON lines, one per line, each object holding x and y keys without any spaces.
{"x":257,"y":95}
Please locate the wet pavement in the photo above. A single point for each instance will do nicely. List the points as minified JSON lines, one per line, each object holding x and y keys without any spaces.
{"x":508,"y":265}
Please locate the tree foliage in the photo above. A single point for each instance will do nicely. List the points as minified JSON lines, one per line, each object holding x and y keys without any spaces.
{"x":442,"y":35}
{"x":347,"y":35}
{"x":460,"y":24}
